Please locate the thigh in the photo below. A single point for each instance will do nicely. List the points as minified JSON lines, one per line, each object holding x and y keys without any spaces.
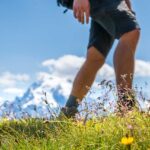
{"x":115,"y":18}
{"x":124,"y":19}
{"x":100,"y":38}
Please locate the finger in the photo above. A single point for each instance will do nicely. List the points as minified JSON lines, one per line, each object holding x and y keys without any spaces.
{"x":79,"y":15}
{"x":82,"y":17}
{"x":75,"y":12}
{"x":87,"y":13}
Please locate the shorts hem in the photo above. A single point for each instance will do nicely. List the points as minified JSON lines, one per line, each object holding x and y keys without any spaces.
{"x":99,"y":49}
{"x":128,"y":30}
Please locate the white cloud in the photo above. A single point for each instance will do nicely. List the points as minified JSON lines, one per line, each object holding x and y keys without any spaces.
{"x":42,"y":75}
{"x":65,"y":66}
{"x":1,"y":98}
{"x":69,"y":65}
{"x":106,"y":71}
{"x":142,"y":68}
{"x":9,"y":79}
{"x":14,"y":91}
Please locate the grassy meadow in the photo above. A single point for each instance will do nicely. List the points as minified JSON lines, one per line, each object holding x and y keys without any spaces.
{"x":114,"y":132}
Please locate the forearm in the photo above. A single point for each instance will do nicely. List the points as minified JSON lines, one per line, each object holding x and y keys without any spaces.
{"x":128,"y":2}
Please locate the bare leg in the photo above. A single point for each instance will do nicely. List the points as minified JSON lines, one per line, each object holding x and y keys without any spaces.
{"x":83,"y":79}
{"x":124,"y":59}
{"x":87,"y":73}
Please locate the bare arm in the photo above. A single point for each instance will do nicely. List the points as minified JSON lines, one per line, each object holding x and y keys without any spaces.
{"x":128,"y":2}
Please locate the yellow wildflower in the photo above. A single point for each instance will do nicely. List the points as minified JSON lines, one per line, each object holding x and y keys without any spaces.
{"x":90,"y":123}
{"x":4,"y":120}
{"x":97,"y":127}
{"x":127,"y":140}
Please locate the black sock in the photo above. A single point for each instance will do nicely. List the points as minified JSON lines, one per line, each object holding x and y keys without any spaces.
{"x":72,"y":101}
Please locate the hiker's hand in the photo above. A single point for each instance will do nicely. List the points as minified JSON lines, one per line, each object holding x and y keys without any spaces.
{"x":81,"y":9}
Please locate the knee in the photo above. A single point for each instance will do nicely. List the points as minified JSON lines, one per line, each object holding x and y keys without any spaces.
{"x":95,"y":58}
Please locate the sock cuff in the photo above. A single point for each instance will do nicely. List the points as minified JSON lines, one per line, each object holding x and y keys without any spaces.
{"x":72,"y":101}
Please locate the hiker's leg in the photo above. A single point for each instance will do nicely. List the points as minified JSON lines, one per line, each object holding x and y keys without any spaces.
{"x":124,"y":59}
{"x":100,"y":42}
{"x":87,"y":73}
{"x":83,"y":79}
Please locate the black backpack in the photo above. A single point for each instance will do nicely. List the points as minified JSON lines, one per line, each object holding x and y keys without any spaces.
{"x":65,"y":3}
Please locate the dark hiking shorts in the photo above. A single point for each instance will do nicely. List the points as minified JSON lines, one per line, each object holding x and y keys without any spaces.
{"x":110,"y":20}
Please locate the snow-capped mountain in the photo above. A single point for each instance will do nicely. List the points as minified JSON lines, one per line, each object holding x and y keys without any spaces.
{"x":45,"y":96}
{"x":41,"y":99}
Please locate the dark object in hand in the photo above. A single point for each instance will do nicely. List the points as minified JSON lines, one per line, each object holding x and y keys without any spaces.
{"x":65,"y":3}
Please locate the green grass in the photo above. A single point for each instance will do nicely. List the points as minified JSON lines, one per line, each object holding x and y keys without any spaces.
{"x":103,"y":133}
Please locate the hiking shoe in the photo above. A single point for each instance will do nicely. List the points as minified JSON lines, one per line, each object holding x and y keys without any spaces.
{"x":127,"y":102}
{"x":126,"y":105}
{"x":69,"y":112}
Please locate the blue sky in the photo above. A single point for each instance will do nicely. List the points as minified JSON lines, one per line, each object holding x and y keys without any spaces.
{"x":32,"y":31}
